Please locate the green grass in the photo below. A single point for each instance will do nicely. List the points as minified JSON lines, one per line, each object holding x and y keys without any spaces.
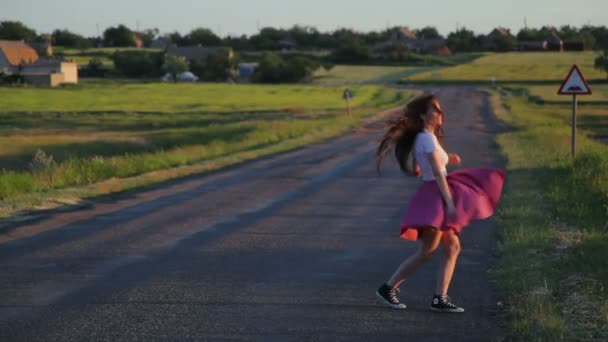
{"x":83,"y":56}
{"x":164,"y":98}
{"x":84,"y":60}
{"x":548,"y":93}
{"x":98,"y":51}
{"x":553,"y":261}
{"x":98,"y":132}
{"x":355,"y":74}
{"x":517,"y":66}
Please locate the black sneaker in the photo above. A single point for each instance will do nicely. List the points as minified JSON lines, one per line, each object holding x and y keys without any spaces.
{"x":388,"y":296}
{"x":444,"y":304}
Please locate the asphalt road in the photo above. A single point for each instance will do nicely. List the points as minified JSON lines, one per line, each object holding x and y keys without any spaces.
{"x":285,"y":248}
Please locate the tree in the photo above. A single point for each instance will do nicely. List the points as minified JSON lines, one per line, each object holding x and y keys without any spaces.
{"x":177,"y":39}
{"x":587,"y":37}
{"x":175,"y":65}
{"x":327,"y":66}
{"x":237,"y":43}
{"x":462,"y":40}
{"x":94,"y":68}
{"x":352,"y":52}
{"x":267,"y":39}
{"x":270,"y":68}
{"x":396,"y":52}
{"x":15,"y":30}
{"x":299,"y":69}
{"x":567,"y":32}
{"x":427,"y":32}
{"x":305,"y":36}
{"x":601,"y":62}
{"x":148,"y":36}
{"x":203,"y":37}
{"x":600,"y":33}
{"x":274,"y":69}
{"x":138,"y":63}
{"x":217,"y":67}
{"x":527,"y":34}
{"x":69,"y":39}
{"x":118,"y":36}
{"x":505,"y":43}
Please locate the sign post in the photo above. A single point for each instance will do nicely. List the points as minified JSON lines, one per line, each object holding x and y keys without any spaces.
{"x":347,"y":96}
{"x":574,"y":84}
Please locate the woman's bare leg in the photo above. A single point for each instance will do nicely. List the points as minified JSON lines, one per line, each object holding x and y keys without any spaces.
{"x":451,"y":246}
{"x":430,"y":240}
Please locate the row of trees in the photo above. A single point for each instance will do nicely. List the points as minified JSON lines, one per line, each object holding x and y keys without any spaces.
{"x":137,"y":64}
{"x":217,"y":67}
{"x":306,"y":37}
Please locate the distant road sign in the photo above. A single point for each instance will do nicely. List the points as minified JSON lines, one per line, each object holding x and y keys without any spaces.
{"x":347,"y":94}
{"x":575,"y":83}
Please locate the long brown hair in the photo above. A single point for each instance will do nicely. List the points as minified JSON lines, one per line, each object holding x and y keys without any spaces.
{"x":402,"y":131}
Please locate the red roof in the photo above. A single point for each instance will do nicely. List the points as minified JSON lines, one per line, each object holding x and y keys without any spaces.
{"x":17,"y":52}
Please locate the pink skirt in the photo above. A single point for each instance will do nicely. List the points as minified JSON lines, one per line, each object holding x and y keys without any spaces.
{"x":476,"y":193}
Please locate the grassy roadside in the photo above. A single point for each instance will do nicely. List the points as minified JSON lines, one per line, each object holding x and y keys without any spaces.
{"x":201,"y":144}
{"x":348,"y":75}
{"x":512,"y":67}
{"x":553,"y":264}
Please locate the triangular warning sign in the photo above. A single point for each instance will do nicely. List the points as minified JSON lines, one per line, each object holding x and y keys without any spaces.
{"x":575,"y":83}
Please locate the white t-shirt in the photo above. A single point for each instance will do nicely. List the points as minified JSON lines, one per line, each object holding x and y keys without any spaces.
{"x":426,"y":143}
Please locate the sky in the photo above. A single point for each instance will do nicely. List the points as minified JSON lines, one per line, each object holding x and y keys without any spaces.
{"x":237,"y":17}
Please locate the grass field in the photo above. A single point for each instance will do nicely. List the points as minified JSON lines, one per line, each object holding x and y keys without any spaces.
{"x":517,"y":66}
{"x":548,"y":93}
{"x":56,"y":139}
{"x":83,"y":56}
{"x":165,"y":98}
{"x":553,"y":264}
{"x":354,"y":74}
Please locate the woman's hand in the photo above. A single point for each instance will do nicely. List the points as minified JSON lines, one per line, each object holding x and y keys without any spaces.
{"x":454,"y":159}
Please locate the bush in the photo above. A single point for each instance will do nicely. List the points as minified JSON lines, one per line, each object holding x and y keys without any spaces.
{"x":274,"y":69}
{"x":41,"y":161}
{"x":11,"y":79}
{"x":93,"y":69}
{"x":397,"y":52}
{"x":218,"y":67}
{"x":138,"y":63}
{"x":13,"y":183}
{"x":352,"y":52}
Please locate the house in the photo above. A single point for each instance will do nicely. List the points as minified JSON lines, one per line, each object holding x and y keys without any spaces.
{"x":14,"y":54}
{"x":554,"y":43}
{"x":160,"y":43}
{"x":405,"y":36}
{"x":17,"y":57}
{"x":408,"y":38}
{"x":51,"y":72}
{"x":197,"y":53}
{"x":490,"y":41}
{"x":402,"y":35}
{"x":574,"y":45}
{"x":532,"y":45}
{"x":436,"y":46}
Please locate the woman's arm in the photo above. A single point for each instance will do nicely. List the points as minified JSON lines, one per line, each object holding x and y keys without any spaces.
{"x":442,"y":182}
